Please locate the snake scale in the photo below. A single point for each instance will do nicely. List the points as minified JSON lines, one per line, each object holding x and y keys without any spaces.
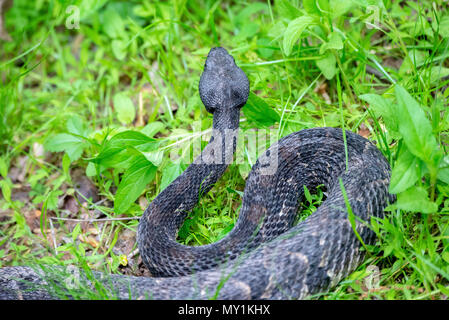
{"x":265,"y":256}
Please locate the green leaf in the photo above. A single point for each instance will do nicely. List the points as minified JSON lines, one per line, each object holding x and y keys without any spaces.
{"x":258,"y":111}
{"x":152,"y":128}
{"x":155,"y":157}
{"x":123,"y":140}
{"x":327,"y":65}
{"x":293,"y":32}
{"x":52,"y":199}
{"x":277,"y":31}
{"x":308,"y":195}
{"x":113,"y":24}
{"x":414,"y":127}
{"x":443,"y":171}
{"x":74,"y":146}
{"x":414,"y":59}
{"x":406,"y":171}
{"x":244,"y":16}
{"x":383,"y":108}
{"x":444,"y":27}
{"x":124,"y":108}
{"x":170,"y":173}
{"x":119,"y":49}
{"x":119,"y":161}
{"x":340,"y":7}
{"x":333,"y":43}
{"x":415,"y":199}
{"x":287,"y":10}
{"x":91,"y":171}
{"x":248,"y":30}
{"x":77,"y":126}
{"x":76,"y":232}
{"x":316,"y":7}
{"x":436,"y":73}
{"x":4,"y":167}
{"x":5,"y":185}
{"x":133,"y":183}
{"x":66,"y":164}
{"x":443,"y":175}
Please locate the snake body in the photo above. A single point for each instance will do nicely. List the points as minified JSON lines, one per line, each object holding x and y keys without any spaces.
{"x":265,"y":256}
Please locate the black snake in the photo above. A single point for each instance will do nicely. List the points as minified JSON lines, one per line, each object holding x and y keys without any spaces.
{"x":265,"y":256}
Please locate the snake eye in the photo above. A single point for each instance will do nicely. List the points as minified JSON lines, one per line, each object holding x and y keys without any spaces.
{"x":209,"y":108}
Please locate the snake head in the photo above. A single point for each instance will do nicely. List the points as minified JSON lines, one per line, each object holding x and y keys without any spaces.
{"x":223,"y":85}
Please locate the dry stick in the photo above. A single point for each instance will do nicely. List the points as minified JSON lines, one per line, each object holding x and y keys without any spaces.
{"x":95,"y":220}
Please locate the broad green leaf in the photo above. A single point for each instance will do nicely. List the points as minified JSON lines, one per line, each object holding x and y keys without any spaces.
{"x":443,"y":28}
{"x":406,"y":171}
{"x":277,"y":31}
{"x":327,"y":65}
{"x":123,"y":140}
{"x":262,"y":48}
{"x":443,"y":175}
{"x":52,"y":199}
{"x":155,"y":157}
{"x":333,"y":43}
{"x":90,"y":7}
{"x":91,"y":171}
{"x":119,"y":161}
{"x":338,"y":8}
{"x":74,"y":146}
{"x":443,"y":172}
{"x":113,"y":24}
{"x":170,"y":173}
{"x":133,"y":183}
{"x":293,"y":32}
{"x":124,"y":108}
{"x":245,"y":14}
{"x":414,"y":127}
{"x":415,"y":199}
{"x":76,"y":126}
{"x":436,"y":73}
{"x":383,"y":108}
{"x":248,"y":30}
{"x":413,"y":60}
{"x":287,"y":10}
{"x":258,"y":111}
{"x":316,"y":7}
{"x":152,"y":128}
{"x":119,"y":49}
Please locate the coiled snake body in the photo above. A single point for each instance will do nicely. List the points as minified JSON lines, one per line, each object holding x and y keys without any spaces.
{"x":264,"y":256}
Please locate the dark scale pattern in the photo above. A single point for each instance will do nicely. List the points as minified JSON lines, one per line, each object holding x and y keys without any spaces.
{"x":263,"y":257}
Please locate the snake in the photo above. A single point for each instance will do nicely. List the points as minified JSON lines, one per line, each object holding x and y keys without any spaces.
{"x":267,"y":254}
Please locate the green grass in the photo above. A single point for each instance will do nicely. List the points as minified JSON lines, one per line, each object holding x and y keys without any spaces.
{"x":72,"y":99}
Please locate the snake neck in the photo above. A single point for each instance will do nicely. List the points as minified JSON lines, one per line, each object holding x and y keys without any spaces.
{"x":223,"y":142}
{"x":171,"y":206}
